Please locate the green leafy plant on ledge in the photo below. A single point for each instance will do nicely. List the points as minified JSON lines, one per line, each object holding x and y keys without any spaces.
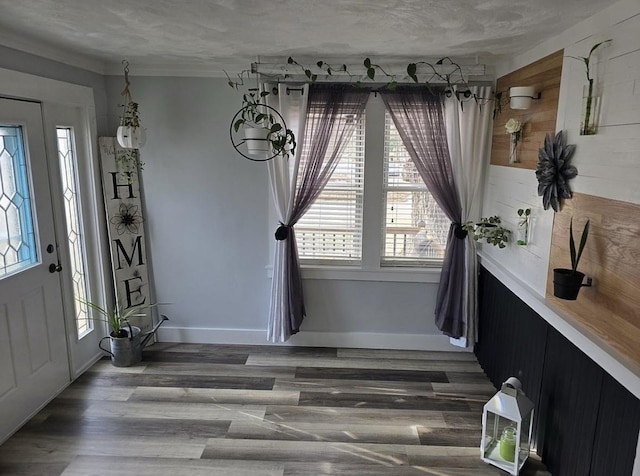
{"x":490,"y":230}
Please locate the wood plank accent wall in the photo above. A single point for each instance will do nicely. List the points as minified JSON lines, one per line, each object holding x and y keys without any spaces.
{"x":610,"y":310}
{"x":539,"y":119}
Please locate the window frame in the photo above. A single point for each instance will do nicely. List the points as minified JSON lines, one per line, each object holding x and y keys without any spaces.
{"x":410,"y":261}
{"x":370,"y":267}
{"x":358,"y":191}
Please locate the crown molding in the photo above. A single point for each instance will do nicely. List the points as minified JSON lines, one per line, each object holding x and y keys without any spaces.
{"x":39,"y":48}
{"x":185,"y":69}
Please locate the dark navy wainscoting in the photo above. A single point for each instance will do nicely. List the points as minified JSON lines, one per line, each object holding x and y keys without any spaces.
{"x":585,"y":423}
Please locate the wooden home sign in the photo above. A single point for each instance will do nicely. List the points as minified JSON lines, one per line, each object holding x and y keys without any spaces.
{"x":121,"y":189}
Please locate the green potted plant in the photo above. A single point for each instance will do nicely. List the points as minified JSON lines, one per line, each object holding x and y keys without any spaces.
{"x":490,"y":230}
{"x":126,"y":341}
{"x":590,"y":106}
{"x":265,"y":132}
{"x":567,"y":282}
{"x":524,"y":215}
{"x":131,"y":135}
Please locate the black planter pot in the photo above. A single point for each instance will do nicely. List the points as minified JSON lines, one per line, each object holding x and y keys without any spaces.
{"x":567,"y":283}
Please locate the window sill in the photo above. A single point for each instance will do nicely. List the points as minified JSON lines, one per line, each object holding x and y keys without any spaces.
{"x":346,"y":273}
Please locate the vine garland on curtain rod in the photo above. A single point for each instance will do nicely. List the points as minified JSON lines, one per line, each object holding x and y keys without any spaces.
{"x":282,"y":140}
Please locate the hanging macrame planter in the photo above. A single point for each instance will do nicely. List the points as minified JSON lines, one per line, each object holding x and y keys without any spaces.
{"x":131,"y":134}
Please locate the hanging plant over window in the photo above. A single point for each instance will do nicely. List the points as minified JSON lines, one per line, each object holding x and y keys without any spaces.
{"x":131,"y":134}
{"x":554,"y":171}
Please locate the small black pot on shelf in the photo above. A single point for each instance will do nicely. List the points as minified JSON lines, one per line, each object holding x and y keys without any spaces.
{"x":567,"y":283}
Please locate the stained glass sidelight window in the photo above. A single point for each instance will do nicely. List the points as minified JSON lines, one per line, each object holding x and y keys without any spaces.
{"x":73,"y":218}
{"x":17,"y":238}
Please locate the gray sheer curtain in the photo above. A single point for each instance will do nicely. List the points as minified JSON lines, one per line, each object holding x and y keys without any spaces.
{"x":418,"y":115}
{"x":332,"y":114}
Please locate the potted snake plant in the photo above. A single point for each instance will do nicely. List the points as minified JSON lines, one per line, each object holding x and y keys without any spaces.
{"x":567,"y":282}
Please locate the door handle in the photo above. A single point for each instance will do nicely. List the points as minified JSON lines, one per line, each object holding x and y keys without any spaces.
{"x":55,"y":268}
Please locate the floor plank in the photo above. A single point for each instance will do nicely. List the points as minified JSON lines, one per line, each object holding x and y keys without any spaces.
{"x":197,"y":409}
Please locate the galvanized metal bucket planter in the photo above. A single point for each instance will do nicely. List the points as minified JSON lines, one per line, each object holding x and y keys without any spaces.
{"x":127,"y":351}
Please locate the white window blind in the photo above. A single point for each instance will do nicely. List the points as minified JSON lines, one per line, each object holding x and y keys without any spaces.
{"x":331,"y":230}
{"x":415,"y":229}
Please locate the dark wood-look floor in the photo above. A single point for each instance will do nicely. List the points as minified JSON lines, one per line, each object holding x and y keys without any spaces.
{"x":263,"y":410}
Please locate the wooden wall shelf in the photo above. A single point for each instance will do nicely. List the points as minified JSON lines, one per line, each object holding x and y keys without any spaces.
{"x":539,"y":119}
{"x":611,"y":307}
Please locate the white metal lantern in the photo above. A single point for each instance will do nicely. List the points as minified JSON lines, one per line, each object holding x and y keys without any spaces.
{"x":507,"y":421}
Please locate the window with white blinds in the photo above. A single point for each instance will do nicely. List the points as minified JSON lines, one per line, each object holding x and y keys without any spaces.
{"x":331,"y":230}
{"x":415,"y":229}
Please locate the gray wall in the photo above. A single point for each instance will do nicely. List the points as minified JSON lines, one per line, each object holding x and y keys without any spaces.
{"x":209,"y":233}
{"x":39,"y":66}
{"x":208,"y":224}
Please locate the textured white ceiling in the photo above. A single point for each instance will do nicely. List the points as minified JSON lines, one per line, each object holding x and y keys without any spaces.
{"x":210,"y":34}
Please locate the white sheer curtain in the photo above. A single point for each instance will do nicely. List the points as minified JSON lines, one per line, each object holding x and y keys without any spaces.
{"x":468,"y":137}
{"x":283,"y":175}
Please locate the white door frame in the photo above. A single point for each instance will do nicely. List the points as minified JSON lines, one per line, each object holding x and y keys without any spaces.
{"x":60,"y":100}
{"x":85,"y":351}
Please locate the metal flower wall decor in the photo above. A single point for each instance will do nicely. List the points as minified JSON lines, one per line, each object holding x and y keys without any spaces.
{"x":554,"y":171}
{"x":128,"y":219}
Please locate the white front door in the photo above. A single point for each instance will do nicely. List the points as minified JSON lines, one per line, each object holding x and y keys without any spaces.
{"x":34,"y":364}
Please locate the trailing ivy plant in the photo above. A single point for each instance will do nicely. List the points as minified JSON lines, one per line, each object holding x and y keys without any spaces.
{"x":128,"y":163}
{"x":490,"y":230}
{"x":255,"y":114}
{"x":284,"y":142}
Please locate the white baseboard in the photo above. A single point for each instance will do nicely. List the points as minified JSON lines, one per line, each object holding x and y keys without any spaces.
{"x":358,"y":340}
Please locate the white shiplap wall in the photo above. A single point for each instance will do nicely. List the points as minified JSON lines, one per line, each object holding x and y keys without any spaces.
{"x":608,"y":163}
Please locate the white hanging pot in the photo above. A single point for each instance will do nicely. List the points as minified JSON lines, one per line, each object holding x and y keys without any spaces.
{"x":131,"y":137}
{"x":257,"y":142}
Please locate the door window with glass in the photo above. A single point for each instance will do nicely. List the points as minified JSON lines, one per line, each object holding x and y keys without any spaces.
{"x":17,"y":239}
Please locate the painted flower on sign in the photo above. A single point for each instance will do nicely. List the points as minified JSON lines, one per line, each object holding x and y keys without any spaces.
{"x":128,"y":219}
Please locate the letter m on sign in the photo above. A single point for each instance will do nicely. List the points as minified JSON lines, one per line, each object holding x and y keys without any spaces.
{"x":129,"y":255}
